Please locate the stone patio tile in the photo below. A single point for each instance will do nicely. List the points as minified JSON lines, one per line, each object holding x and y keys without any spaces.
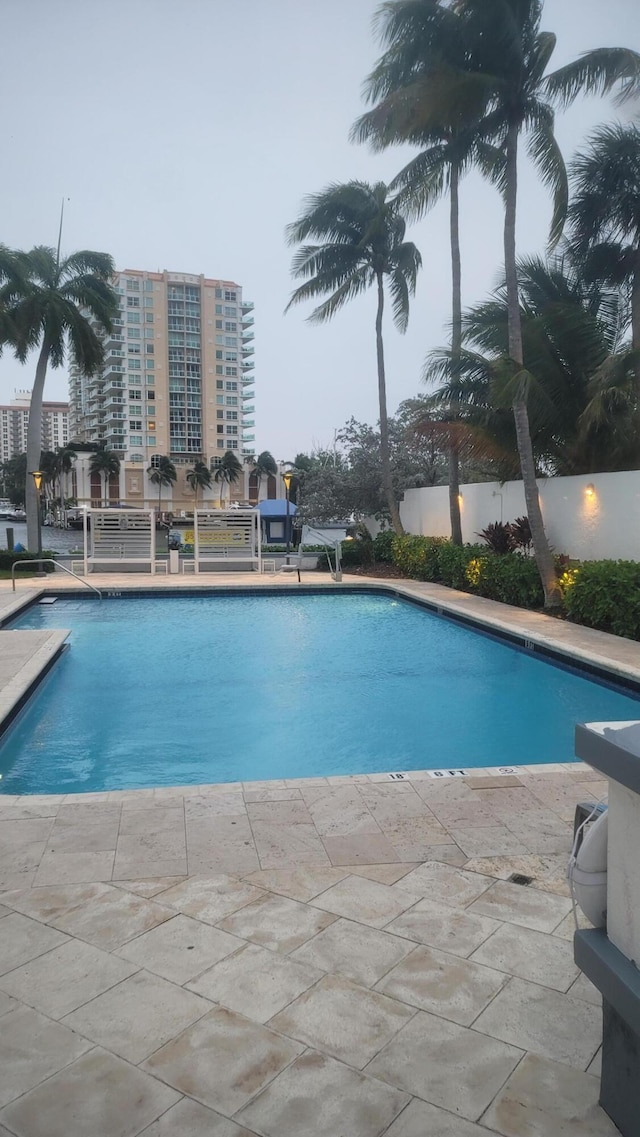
{"x":150,"y":887}
{"x":339,"y":811}
{"x":211,"y":898}
{"x":36,"y":805}
{"x":264,"y":784}
{"x":279,"y":845}
{"x":151,"y":841}
{"x":291,"y":811}
{"x":358,"y":952}
{"x":301,"y":883}
{"x":32,"y":1048}
{"x":439,"y":926}
{"x":113,"y":917}
{"x":443,"y":984}
{"x":420,"y":1119}
{"x":65,"y":978}
{"x":99,"y":1094}
{"x":245,"y":1057}
{"x":391,"y":807}
{"x":16,"y":880}
{"x":277,"y":923}
{"x":583,"y":988}
{"x":443,"y":791}
{"x":530,"y":955}
{"x":48,"y":904}
{"x":4,"y":911}
{"x":543,"y":1098}
{"x":319,"y":1097}
{"x":445,"y":883}
{"x":180,"y":948}
{"x":566,"y":929}
{"x":368,"y":848}
{"x":343,"y":1019}
{"x":272,"y":795}
{"x":529,"y":907}
{"x":447,"y":1065}
{"x":595,"y":1067}
{"x":413,"y":837}
{"x":73,"y":868}
{"x":164,"y":819}
{"x":493,"y":841}
{"x":490,"y":782}
{"x":221,"y":844}
{"x":547,"y":1022}
{"x":507,"y":802}
{"x":22,"y":939}
{"x":366,"y":901}
{"x":256,"y":982}
{"x":464,"y":814}
{"x":7,"y":1004}
{"x":204,"y":807}
{"x":549,"y":872}
{"x":137,"y":1016}
{"x":541,"y":832}
{"x":190,"y":1119}
{"x":22,"y":844}
{"x":85,"y":828}
{"x":383,"y":874}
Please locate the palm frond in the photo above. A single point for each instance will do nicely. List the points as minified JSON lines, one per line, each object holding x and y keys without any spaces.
{"x":596,"y":72}
{"x":547,"y":157}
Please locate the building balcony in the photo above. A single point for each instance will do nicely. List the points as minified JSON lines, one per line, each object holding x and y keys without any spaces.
{"x":248,"y":410}
{"x":248,"y":336}
{"x":248,"y":437}
{"x":250,"y":422}
{"x":246,"y":306}
{"x":247,"y":321}
{"x":248,"y":365}
{"x":247,"y":351}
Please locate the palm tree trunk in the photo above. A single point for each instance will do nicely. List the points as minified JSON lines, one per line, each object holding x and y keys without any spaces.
{"x":385,"y":460}
{"x":541,"y":547}
{"x":635,"y":306}
{"x":456,"y":351}
{"x":34,"y":447}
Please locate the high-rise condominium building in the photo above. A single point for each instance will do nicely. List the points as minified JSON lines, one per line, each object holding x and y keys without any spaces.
{"x":178,"y":375}
{"x":14,"y":421}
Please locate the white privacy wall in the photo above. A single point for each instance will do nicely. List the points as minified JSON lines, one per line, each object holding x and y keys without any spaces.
{"x":603,"y":524}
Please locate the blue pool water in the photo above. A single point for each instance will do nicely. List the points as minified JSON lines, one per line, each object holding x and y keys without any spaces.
{"x":222,"y":688}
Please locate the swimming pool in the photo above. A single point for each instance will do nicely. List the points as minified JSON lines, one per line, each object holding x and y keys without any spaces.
{"x":198,"y":689}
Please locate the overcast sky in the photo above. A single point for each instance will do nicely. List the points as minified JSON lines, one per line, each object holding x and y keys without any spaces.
{"x":186,"y":133}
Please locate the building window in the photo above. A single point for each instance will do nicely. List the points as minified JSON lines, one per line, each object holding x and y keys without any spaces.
{"x":148,"y":286}
{"x":151,"y":441}
{"x":135,"y":440}
{"x":232,"y":401}
{"x":219,"y":398}
{"x":155,"y":461}
{"x":220,"y":414}
{"x":148,"y":316}
{"x":133,"y":285}
{"x":149,"y":348}
{"x":135,"y":380}
{"x":233,"y":415}
{"x":218,"y":369}
{"x":148,"y":301}
{"x":218,"y":294}
{"x":133,"y":333}
{"x":219,"y":324}
{"x":232,"y":443}
{"x":221,"y":444}
{"x":232,"y":430}
{"x":135,"y":395}
{"x":220,"y":429}
{"x":231,"y":386}
{"x":148,"y":333}
{"x":218,"y":355}
{"x":151,"y":424}
{"x":134,"y":365}
{"x":133,"y":301}
{"x":133,"y":317}
{"x":219,"y":384}
{"x":135,"y":424}
{"x":151,"y":395}
{"x":150,"y":364}
{"x":219,"y":339}
{"x":231,"y":370}
{"x":231,"y":356}
{"x":134,"y":349}
{"x":228,"y":295}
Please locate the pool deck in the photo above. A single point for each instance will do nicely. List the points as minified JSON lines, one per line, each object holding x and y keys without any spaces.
{"x":340,"y":957}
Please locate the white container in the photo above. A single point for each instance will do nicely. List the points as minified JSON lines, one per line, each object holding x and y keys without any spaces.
{"x":174,"y":560}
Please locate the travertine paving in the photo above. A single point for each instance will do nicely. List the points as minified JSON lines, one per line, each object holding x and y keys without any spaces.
{"x":173,"y":964}
{"x":341,"y":957}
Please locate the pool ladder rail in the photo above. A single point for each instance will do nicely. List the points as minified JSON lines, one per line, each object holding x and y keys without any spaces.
{"x":50,"y":561}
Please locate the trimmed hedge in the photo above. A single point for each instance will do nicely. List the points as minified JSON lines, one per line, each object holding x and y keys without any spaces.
{"x":7,"y":559}
{"x":510,"y":578}
{"x":604,"y":595}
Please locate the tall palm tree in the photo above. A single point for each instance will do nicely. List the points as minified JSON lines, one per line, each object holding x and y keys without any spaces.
{"x":423,"y":38}
{"x":61,"y":308}
{"x":508,"y":60}
{"x":199,"y":478}
{"x":605,"y":212}
{"x":162,"y":474}
{"x":362,"y":244}
{"x":65,"y":457}
{"x":106,"y":463}
{"x":227,"y":472}
{"x":265,"y":466}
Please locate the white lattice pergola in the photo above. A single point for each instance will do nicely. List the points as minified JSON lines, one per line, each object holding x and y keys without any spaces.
{"x":119,"y":537}
{"x":226,"y":538}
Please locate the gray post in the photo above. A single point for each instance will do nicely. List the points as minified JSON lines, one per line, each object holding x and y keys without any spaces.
{"x":9,"y":533}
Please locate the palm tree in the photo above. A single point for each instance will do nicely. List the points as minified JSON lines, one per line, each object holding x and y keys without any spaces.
{"x":60,"y":307}
{"x":65,"y":457}
{"x":48,"y":466}
{"x":199,"y":478}
{"x":106,"y":463}
{"x":227,"y":473}
{"x":605,"y":212}
{"x":362,"y":235}
{"x":265,"y":466}
{"x":422,"y":39}
{"x":163,"y":473}
{"x":507,"y":62}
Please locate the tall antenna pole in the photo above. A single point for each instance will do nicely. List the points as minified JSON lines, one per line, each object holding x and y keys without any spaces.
{"x":60,"y":233}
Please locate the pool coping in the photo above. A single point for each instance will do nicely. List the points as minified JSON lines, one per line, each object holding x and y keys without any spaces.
{"x":605,"y":655}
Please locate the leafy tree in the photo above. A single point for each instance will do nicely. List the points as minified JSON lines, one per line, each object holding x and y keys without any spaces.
{"x":14,"y":476}
{"x":59,"y":307}
{"x":605,"y":212}
{"x":199,"y":478}
{"x":65,"y":458}
{"x":162,"y":473}
{"x":265,"y":466}
{"x":227,"y":472}
{"x":48,"y":467}
{"x":362,"y":244}
{"x":506,"y":75}
{"x":106,"y":463}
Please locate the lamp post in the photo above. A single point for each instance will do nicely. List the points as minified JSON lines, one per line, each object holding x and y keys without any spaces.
{"x":37,"y":481}
{"x":287,"y":478}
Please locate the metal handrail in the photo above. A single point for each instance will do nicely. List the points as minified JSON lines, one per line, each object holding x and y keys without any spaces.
{"x":50,"y":561}
{"x":337,"y":545}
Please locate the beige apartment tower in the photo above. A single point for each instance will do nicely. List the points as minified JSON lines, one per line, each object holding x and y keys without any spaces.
{"x":178,"y":375}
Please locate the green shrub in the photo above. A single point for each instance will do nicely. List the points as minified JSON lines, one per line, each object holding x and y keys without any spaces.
{"x":512,"y":579}
{"x":7,"y":559}
{"x":604,"y":595}
{"x":383,"y":546}
{"x":417,"y":557}
{"x":454,"y":561}
{"x":352,"y":553}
